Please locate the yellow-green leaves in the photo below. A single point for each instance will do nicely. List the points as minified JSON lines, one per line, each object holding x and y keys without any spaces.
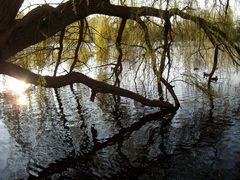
{"x":41,"y":81}
{"x":103,"y":37}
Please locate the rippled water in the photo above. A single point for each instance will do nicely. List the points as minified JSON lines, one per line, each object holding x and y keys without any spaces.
{"x":62,"y":134}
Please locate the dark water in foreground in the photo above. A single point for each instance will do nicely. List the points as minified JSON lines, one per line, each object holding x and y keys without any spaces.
{"x":62,"y":135}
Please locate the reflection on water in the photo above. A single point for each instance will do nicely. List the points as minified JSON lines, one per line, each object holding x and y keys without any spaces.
{"x":4,"y":148}
{"x":14,"y":91}
{"x":62,"y":134}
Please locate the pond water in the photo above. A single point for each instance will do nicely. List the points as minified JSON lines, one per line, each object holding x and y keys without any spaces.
{"x":61,"y":134}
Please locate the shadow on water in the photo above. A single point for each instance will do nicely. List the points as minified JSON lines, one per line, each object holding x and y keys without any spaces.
{"x":75,"y":161}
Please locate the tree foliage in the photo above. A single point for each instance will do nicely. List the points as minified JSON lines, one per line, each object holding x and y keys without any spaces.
{"x":77,"y":31}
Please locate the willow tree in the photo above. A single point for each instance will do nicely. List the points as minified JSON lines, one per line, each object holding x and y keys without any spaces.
{"x":69,"y":31}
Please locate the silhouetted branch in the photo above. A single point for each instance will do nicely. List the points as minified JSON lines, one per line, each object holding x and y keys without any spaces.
{"x":215,"y":63}
{"x":80,"y":40}
{"x":60,"y":50}
{"x":76,"y":77}
{"x":118,"y":67}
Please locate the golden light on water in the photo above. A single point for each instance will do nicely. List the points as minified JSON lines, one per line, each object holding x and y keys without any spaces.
{"x":18,"y":89}
{"x":22,"y":100}
{"x":16,"y":86}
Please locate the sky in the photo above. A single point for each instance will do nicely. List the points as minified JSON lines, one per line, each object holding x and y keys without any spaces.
{"x":28,"y":3}
{"x":235,"y":4}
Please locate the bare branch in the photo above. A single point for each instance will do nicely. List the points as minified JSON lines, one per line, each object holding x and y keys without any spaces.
{"x":75,"y":77}
{"x":118,"y":68}
{"x":60,"y":50}
{"x":8,"y":12}
{"x":215,"y":63}
{"x":80,"y":40}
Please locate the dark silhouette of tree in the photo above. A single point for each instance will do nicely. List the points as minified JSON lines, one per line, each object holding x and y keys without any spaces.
{"x":46,"y":21}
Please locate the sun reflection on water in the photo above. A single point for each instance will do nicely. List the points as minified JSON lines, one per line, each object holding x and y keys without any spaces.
{"x":22,"y":100}
{"x":17,"y":89}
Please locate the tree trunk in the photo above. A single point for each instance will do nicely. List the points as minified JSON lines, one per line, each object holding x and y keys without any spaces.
{"x":8,"y":12}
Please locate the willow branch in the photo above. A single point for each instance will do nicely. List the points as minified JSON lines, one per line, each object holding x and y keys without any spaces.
{"x":215,"y":63}
{"x":170,"y":89}
{"x":60,"y":50}
{"x":80,"y":40}
{"x":118,"y":68}
{"x":45,"y":21}
{"x":149,"y":45}
{"x":76,"y":77}
{"x":166,"y":45}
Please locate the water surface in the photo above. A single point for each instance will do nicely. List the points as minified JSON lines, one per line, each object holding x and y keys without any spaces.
{"x":62,"y":134}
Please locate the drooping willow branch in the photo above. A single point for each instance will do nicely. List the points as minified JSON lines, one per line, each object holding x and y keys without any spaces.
{"x":118,"y":68}
{"x":172,"y":92}
{"x":166,"y":52}
{"x":152,"y":55}
{"x":33,"y":28}
{"x":45,"y":21}
{"x":215,"y":63}
{"x":214,"y":33}
{"x":76,"y":77}
{"x":149,"y":45}
{"x":60,"y":50}
{"x":80,"y":40}
{"x":166,"y":45}
{"x":226,"y":7}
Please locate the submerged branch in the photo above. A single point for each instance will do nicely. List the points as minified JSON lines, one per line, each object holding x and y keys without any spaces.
{"x":215,"y":63}
{"x":76,"y":77}
{"x":172,"y":92}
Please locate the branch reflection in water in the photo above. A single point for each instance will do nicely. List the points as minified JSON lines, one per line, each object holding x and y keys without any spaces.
{"x":59,"y":166}
{"x":68,"y":136}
